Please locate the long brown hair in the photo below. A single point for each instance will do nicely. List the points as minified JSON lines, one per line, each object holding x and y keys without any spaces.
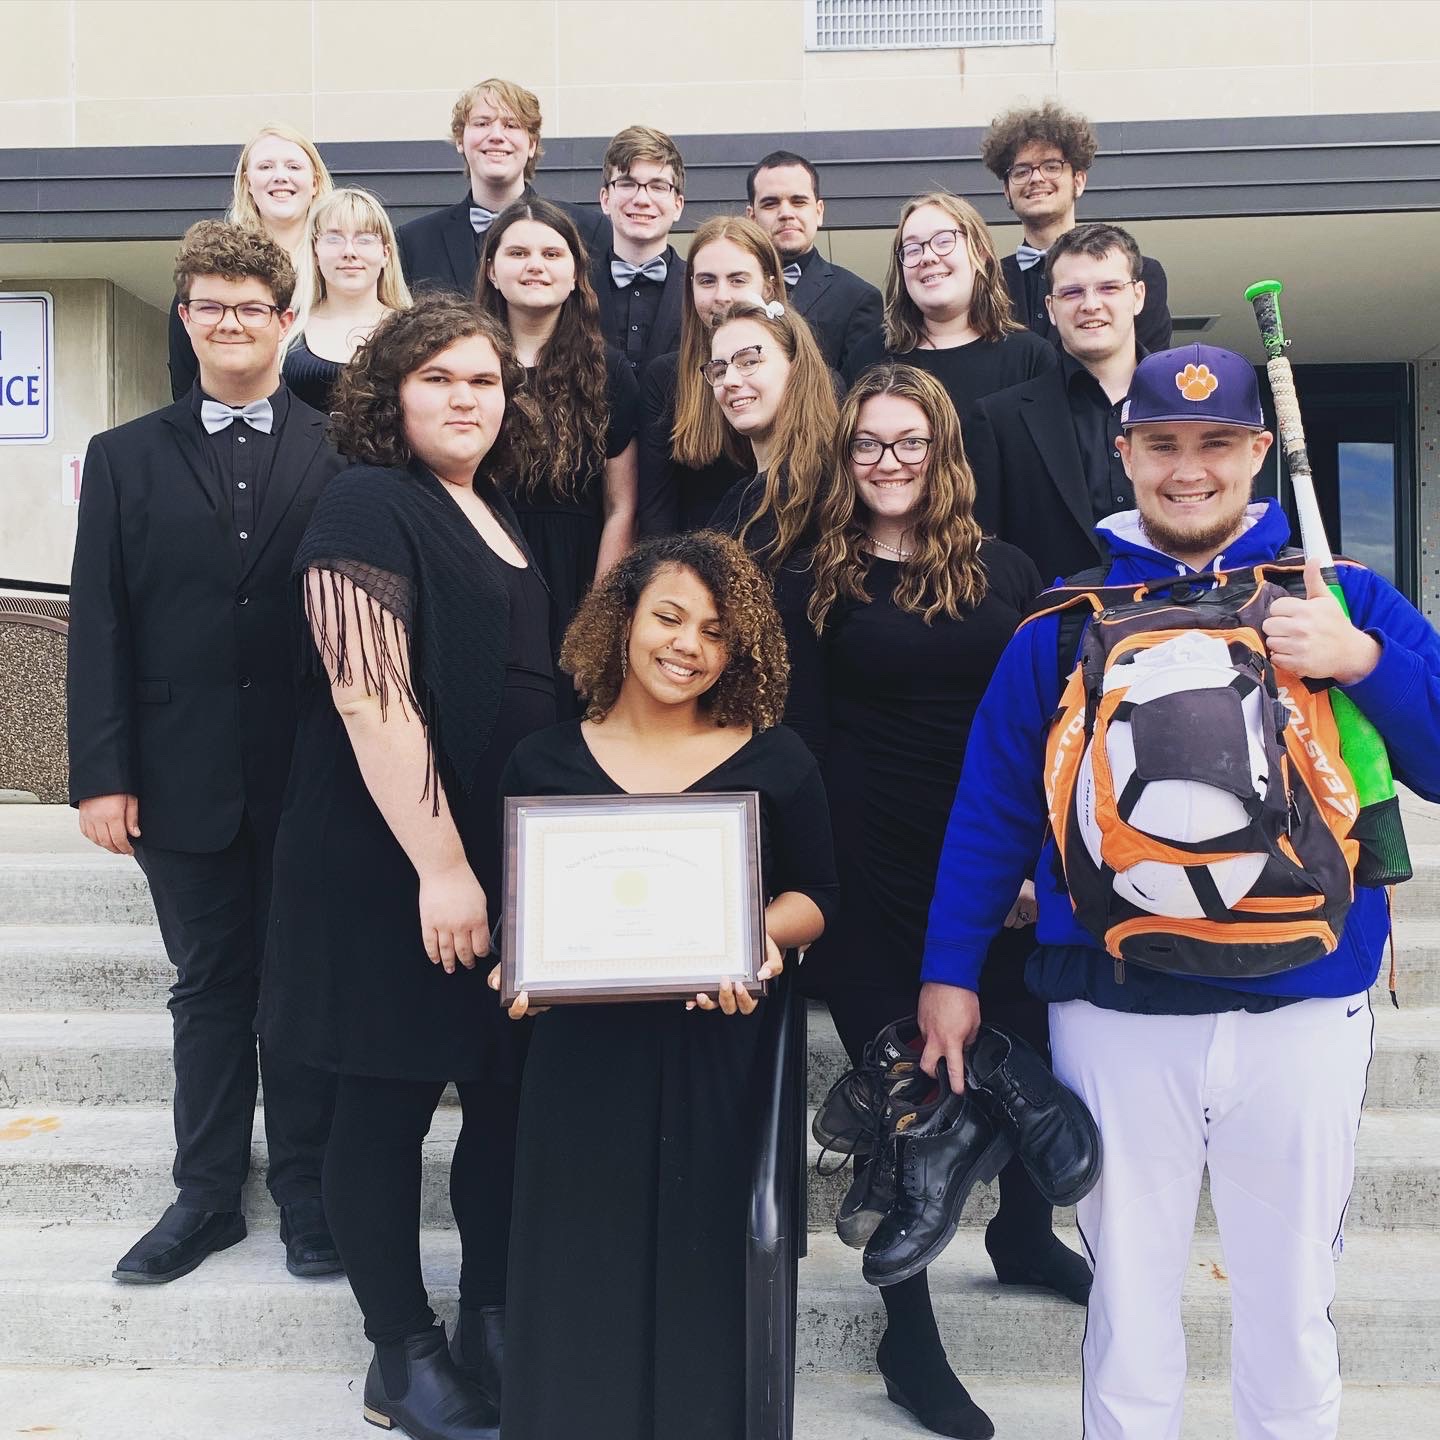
{"x":801,"y":436}
{"x":568,"y":384}
{"x":700,"y":435}
{"x":991,"y":312}
{"x":944,"y":572}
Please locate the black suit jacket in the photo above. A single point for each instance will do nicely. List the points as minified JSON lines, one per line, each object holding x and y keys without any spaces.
{"x":665,"y":333}
{"x":842,"y":309}
{"x":1152,"y":324}
{"x":182,"y":651}
{"x":437,"y":251}
{"x":1029,"y":477}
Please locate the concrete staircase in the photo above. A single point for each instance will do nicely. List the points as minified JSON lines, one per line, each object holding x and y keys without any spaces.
{"x":240,"y":1349}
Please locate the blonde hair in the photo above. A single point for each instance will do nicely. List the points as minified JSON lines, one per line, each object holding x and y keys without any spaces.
{"x":991,"y":312}
{"x":243,"y":210}
{"x":943,"y":571}
{"x":700,"y":435}
{"x":800,"y":438}
{"x":523,"y":104}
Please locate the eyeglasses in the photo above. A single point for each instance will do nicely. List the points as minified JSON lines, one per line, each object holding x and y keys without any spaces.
{"x":942,"y":242}
{"x":909,"y":450}
{"x":1105,"y":290}
{"x":1050,"y":169}
{"x":626,"y":186}
{"x":745,"y":362}
{"x":251,"y":313}
{"x":367,"y":243}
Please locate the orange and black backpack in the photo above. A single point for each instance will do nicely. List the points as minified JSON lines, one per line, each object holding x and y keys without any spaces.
{"x":1200,"y":808}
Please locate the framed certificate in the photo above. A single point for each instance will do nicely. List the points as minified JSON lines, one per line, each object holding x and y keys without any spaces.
{"x":631,"y":897}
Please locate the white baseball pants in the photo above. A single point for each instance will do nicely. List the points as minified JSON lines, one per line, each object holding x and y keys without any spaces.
{"x":1270,"y":1103}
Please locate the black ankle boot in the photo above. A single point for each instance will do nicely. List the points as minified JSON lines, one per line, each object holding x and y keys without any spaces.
{"x":478,"y":1348}
{"x":1046,"y":1263}
{"x":413,"y":1385}
{"x":923,"y":1383}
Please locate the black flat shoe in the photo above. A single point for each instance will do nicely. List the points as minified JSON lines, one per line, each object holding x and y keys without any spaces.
{"x":478,"y":1348}
{"x":309,"y":1247}
{"x":931,"y":1392}
{"x":1050,"y":1265}
{"x":179,"y":1241}
{"x":413,"y":1386}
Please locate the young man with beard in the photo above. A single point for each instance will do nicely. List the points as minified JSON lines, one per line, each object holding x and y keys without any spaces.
{"x":843,"y":309}
{"x":182,"y":715}
{"x":1260,"y":1080}
{"x":1042,"y":158}
{"x":1046,"y":454}
{"x":495,"y":127}
{"x":639,"y":279}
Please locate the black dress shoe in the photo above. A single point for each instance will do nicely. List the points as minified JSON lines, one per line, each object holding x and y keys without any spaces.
{"x":851,"y":1118}
{"x":413,"y":1385}
{"x":309,"y":1248}
{"x":1050,"y":1126}
{"x":1048,"y":1265}
{"x":865,"y":1203}
{"x":180,"y":1240}
{"x":926,"y":1386}
{"x":941,"y":1150}
{"x":478,"y":1348}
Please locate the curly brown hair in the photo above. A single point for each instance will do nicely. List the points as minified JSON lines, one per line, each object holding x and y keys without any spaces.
{"x":1071,"y":134}
{"x":235,"y":252}
{"x":751,"y":689}
{"x":568,"y":384}
{"x":367,"y":421}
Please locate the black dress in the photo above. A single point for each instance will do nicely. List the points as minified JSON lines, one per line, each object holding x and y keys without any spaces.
{"x":564,"y":535}
{"x":310,"y":376}
{"x":348,"y":986}
{"x":637,"y":1129}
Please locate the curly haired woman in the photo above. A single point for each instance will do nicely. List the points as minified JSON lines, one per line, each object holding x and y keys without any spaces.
{"x":638,"y":1121}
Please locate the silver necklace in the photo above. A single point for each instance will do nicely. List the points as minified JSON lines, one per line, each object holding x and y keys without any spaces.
{"x":880,"y":544}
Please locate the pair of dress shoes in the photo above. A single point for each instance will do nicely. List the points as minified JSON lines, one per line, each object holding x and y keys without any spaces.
{"x":184,"y":1237}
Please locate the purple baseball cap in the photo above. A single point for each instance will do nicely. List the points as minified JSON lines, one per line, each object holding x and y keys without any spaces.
{"x":1194,"y":382}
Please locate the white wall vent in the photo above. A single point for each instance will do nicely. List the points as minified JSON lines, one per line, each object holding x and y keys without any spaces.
{"x":927,"y":24}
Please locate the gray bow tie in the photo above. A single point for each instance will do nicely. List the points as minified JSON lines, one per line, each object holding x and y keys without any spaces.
{"x":1027,"y":256}
{"x":480,"y":219}
{"x":623,"y":273}
{"x":792,"y":272}
{"x":258,"y":415}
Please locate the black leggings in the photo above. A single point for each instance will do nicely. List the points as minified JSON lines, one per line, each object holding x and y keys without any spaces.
{"x":372,"y":1194}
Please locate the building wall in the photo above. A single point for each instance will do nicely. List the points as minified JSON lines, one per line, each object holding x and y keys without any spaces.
{"x":1427,"y":429}
{"x":126,"y":72}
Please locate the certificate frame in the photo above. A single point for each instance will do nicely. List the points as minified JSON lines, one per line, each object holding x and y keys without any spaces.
{"x":598,"y":904}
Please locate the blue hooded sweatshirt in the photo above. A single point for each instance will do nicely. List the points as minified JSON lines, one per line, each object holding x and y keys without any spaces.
{"x":998,"y":821}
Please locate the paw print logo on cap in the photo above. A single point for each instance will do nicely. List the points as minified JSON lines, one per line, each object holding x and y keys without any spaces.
{"x":1195,"y":382}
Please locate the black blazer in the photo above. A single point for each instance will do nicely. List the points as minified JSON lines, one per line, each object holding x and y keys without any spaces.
{"x":1029,"y":477}
{"x":842,"y":309}
{"x":182,"y":652}
{"x":1152,"y":324}
{"x":665,"y":333}
{"x":437,"y":251}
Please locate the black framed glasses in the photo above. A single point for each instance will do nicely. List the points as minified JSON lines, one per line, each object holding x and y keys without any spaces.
{"x":1051,"y":169}
{"x":942,"y":242}
{"x":745,"y":361}
{"x":1104,"y":290}
{"x":626,"y":187}
{"x":908,"y":450}
{"x":252,"y":314}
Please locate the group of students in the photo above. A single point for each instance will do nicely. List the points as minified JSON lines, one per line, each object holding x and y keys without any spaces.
{"x":845,"y":504}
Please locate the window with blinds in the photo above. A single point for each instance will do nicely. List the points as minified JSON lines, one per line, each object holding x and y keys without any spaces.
{"x":927,"y":24}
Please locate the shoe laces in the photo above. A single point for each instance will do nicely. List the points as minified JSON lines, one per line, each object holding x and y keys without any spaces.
{"x":874,"y":1084}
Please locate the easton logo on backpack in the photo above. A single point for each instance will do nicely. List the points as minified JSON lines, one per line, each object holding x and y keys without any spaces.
{"x":1199,"y":804}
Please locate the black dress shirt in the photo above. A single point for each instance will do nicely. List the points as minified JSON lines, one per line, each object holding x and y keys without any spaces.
{"x":242,"y":458}
{"x":628,"y":323}
{"x":1097,"y":424}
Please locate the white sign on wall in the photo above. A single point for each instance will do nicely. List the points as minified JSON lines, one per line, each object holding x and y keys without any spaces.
{"x":27,"y":367}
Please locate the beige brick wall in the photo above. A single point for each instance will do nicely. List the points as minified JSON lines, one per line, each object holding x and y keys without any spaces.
{"x":129,"y":72}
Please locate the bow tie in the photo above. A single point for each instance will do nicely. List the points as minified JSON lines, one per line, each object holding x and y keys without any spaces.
{"x":258,"y":415}
{"x":480,"y":219}
{"x":1027,"y":256}
{"x":623,"y":273}
{"x":792,"y":272}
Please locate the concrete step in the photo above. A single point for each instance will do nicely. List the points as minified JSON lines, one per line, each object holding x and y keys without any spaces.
{"x":93,"y":888}
{"x":83,"y":967}
{"x":117,"y":1402}
{"x":58,"y":1306}
{"x":96,"y":1163}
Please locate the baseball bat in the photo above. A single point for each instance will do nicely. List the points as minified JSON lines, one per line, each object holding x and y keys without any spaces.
{"x":1361,"y":746}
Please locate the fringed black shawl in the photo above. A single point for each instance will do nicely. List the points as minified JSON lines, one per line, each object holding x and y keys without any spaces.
{"x":419,"y":570}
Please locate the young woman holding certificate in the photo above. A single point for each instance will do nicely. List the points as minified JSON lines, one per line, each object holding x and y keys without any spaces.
{"x":638,"y":1121}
